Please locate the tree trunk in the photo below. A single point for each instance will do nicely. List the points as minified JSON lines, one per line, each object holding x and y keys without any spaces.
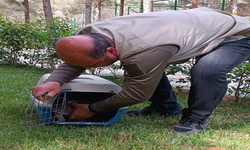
{"x":47,"y":11}
{"x":88,"y":9}
{"x":141,"y":11}
{"x":26,"y":13}
{"x":234,"y":7}
{"x":194,"y":3}
{"x":99,"y":6}
{"x":121,"y":7}
{"x":49,"y":20}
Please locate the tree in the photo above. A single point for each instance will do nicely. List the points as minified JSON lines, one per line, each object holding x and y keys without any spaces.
{"x":99,"y":6}
{"x":142,"y":7}
{"x":50,"y":27}
{"x":121,"y":7}
{"x":26,"y":12}
{"x":47,"y":11}
{"x":88,"y":4}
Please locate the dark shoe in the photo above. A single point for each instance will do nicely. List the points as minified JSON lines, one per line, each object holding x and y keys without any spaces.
{"x":150,"y":110}
{"x":189,"y":126}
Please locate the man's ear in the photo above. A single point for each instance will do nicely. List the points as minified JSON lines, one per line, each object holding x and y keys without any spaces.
{"x":112,"y":52}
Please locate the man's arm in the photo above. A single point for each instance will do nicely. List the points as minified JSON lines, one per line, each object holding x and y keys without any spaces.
{"x":144,"y":72}
{"x":63,"y":74}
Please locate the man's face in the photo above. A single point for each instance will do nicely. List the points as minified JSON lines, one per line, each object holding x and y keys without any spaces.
{"x":88,"y":62}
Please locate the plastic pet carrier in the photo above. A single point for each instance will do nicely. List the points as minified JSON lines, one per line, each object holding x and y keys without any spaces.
{"x":85,"y":89}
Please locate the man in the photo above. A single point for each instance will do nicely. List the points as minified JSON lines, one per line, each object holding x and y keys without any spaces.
{"x":145,"y":44}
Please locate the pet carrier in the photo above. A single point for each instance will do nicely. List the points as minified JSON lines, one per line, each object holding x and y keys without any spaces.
{"x":85,"y":89}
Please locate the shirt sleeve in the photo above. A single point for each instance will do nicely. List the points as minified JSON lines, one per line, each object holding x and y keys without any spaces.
{"x":65,"y":73}
{"x":143,"y":72}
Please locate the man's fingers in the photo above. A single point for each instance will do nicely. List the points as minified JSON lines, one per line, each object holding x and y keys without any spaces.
{"x":48,"y":88}
{"x":51,"y":94}
{"x":72,"y":103}
{"x":45,"y":95}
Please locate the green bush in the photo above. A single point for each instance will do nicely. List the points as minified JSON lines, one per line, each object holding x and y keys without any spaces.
{"x":240,"y":75}
{"x":33,"y":42}
{"x":13,"y":39}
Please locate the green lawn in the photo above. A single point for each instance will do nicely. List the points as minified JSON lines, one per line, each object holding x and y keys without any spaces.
{"x":228,"y":127}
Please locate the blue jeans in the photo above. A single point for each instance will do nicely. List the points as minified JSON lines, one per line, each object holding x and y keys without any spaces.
{"x":208,"y":81}
{"x":208,"y":77}
{"x":163,"y":98}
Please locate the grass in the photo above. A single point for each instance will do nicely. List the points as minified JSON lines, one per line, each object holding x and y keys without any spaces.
{"x":228,"y":127}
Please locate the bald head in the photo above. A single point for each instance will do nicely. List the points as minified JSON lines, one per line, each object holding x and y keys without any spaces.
{"x":72,"y":47}
{"x":86,"y":50}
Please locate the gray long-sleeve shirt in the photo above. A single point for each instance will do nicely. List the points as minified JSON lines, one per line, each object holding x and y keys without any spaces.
{"x":148,"y":42}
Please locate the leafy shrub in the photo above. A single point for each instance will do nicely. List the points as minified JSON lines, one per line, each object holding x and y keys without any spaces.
{"x":241,"y":76}
{"x":45,"y":36}
{"x":32,"y":43}
{"x":13,"y":39}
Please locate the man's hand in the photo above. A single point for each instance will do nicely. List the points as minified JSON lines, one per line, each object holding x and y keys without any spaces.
{"x":81,"y":111}
{"x":46,"y":90}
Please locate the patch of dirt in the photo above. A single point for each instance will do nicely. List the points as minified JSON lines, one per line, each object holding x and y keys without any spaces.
{"x":184,"y":92}
{"x":228,"y":98}
{"x":203,"y":148}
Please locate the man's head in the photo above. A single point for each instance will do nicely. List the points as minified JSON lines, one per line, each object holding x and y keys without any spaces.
{"x":88,"y":50}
